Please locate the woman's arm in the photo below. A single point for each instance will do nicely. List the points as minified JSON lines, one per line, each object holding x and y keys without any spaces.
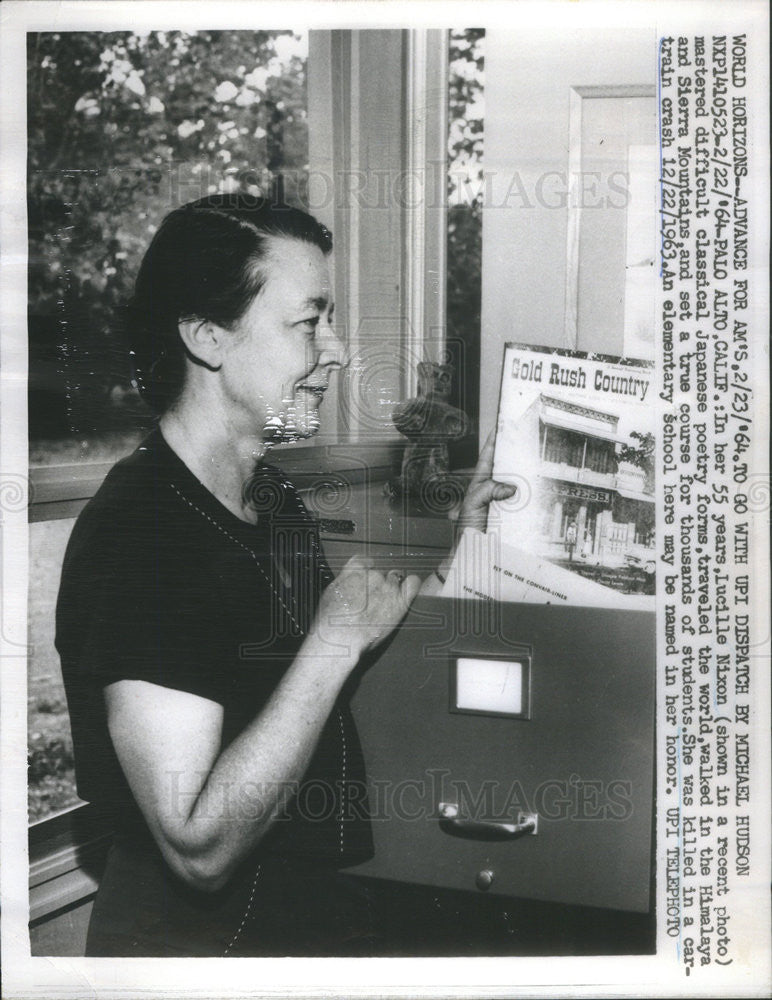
{"x":207,"y":807}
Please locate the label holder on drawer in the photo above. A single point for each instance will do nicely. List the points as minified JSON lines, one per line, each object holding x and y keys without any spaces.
{"x":491,"y":684}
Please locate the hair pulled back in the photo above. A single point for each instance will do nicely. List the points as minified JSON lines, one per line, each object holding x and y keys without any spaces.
{"x":203,"y":263}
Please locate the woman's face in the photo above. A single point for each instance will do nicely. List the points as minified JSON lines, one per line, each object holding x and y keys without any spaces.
{"x":277,"y":364}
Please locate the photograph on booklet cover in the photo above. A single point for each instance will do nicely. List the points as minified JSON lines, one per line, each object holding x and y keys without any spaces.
{"x":578,"y":431}
{"x":296,"y":688}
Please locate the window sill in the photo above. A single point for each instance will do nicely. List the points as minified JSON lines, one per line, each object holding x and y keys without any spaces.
{"x":67,"y":853}
{"x":59,"y":491}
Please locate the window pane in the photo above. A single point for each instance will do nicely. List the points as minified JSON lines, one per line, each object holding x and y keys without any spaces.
{"x":124,"y":127}
{"x":51,"y":775}
{"x":466,"y":110}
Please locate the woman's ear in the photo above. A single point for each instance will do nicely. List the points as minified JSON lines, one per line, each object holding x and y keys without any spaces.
{"x":202,"y":341}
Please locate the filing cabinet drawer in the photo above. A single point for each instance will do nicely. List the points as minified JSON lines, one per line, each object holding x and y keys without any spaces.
{"x":569,"y":751}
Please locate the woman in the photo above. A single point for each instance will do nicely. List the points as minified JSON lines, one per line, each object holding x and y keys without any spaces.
{"x":205,"y":646}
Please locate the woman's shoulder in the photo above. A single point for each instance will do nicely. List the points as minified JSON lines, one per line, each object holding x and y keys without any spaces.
{"x":133,"y":500}
{"x":133,"y":478}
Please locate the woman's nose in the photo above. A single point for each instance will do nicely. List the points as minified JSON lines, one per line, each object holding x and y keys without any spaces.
{"x":332,"y":348}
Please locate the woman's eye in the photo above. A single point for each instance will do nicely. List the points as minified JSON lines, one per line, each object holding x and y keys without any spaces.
{"x":309,"y":325}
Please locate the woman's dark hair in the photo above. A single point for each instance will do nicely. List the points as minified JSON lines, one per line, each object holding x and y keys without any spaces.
{"x":203,"y":263}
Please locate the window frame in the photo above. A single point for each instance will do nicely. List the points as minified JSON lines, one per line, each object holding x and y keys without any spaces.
{"x":64,"y":849}
{"x":346,"y":70}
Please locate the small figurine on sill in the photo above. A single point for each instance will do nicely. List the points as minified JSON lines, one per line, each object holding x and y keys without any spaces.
{"x":429,"y":422}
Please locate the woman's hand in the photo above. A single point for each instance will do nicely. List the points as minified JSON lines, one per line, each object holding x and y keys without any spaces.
{"x":362,"y":606}
{"x":473,"y":512}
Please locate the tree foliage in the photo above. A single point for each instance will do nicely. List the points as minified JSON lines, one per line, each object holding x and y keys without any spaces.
{"x":641,"y":455}
{"x":123,"y":127}
{"x":464,"y":241}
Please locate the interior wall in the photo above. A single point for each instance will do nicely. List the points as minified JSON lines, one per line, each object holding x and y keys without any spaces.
{"x":528,"y":76}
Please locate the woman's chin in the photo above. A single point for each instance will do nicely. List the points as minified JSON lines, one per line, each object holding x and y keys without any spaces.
{"x":303,"y":419}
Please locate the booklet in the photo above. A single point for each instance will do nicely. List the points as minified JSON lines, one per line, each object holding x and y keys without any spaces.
{"x":486,"y":568}
{"x":575,"y":435}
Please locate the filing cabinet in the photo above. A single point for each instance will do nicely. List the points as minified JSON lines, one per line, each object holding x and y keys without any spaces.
{"x":510,"y":750}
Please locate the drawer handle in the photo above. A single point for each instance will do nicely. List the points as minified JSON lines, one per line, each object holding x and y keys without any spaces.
{"x":475,"y":829}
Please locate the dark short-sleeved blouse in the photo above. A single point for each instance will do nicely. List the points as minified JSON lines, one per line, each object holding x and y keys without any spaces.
{"x":162,"y":583}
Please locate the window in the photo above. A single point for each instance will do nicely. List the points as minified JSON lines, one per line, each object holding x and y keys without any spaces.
{"x":601,"y":456}
{"x":122,"y":128}
{"x":157,"y":119}
{"x":564,"y":447}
